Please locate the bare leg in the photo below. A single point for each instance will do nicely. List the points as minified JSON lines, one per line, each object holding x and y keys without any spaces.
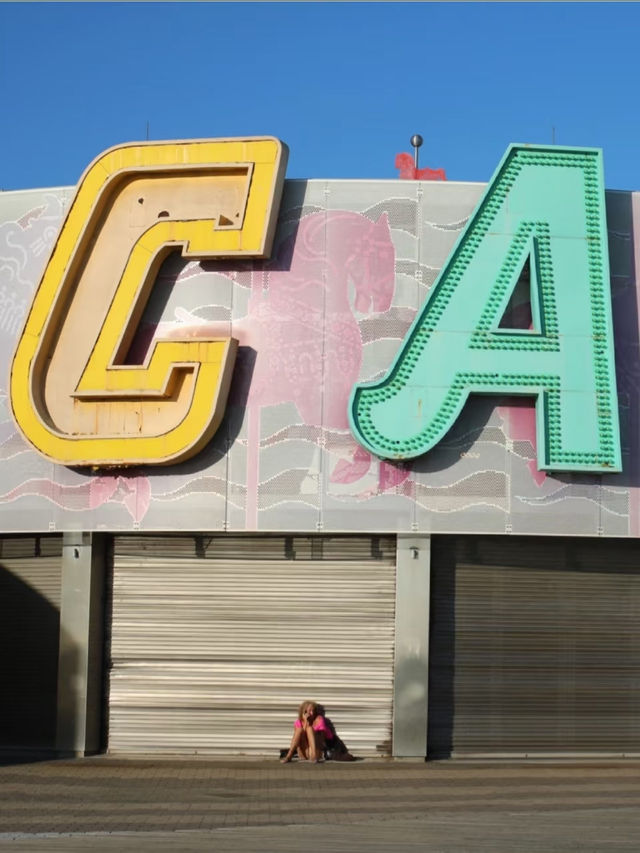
{"x":294,"y":746}
{"x":316,"y":743}
{"x":303,"y":748}
{"x":311,"y":740}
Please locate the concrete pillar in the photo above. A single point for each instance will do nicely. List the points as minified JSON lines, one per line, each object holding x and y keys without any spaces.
{"x":80,"y":658}
{"x":411,"y":669}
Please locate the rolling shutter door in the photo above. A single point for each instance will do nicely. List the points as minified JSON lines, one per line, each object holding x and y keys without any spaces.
{"x":535,"y":647}
{"x":215,"y":640}
{"x":30,"y":578}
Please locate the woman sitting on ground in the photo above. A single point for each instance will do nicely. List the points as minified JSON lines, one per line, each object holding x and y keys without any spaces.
{"x":310,"y":734}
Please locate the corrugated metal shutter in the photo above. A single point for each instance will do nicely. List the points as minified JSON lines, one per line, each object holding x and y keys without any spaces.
{"x":216,"y":640}
{"x":535,"y":647}
{"x":30,"y":579}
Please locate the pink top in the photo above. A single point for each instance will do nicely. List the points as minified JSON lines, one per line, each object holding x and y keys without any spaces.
{"x":319,"y":725}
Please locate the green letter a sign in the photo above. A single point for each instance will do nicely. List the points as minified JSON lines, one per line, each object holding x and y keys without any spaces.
{"x":544,"y":205}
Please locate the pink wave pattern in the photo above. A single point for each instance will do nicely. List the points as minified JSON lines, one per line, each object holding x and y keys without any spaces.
{"x":519,"y":418}
{"x":133,"y":492}
{"x":389,"y":476}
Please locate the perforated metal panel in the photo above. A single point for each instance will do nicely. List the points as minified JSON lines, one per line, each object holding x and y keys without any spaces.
{"x":215,"y":640}
{"x":535,"y":647}
{"x":352,"y":263}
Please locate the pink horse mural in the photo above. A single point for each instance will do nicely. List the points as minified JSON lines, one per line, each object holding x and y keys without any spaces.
{"x":302,"y":320}
{"x":302,"y":323}
{"x":306,"y":332}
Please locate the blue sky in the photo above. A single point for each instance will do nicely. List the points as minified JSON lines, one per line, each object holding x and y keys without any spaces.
{"x":344,"y":84}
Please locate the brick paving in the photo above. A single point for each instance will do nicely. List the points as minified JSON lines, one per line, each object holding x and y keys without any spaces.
{"x":127,"y":804}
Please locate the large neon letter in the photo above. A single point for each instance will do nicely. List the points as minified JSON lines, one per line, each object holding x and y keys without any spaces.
{"x":544,"y":204}
{"x":73,"y":396}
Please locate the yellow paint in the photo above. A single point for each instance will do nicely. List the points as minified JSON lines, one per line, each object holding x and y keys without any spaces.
{"x":72,"y":396}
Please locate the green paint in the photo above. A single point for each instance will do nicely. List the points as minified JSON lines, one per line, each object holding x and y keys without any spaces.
{"x":545,"y":204}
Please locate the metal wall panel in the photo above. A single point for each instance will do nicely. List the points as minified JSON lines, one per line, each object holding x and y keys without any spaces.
{"x":216,"y":640}
{"x":535,"y":647}
{"x":352,"y":263}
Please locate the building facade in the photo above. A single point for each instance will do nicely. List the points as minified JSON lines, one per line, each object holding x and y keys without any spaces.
{"x":476,"y":598}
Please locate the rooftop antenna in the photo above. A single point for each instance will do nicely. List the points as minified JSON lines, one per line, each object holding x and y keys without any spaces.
{"x":416,"y":140}
{"x":147,"y":130}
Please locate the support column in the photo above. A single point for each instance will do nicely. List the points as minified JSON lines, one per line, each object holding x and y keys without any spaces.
{"x":80,"y":653}
{"x":411,"y":668}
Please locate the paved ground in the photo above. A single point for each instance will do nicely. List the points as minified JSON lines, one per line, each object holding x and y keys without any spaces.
{"x":109,"y":804}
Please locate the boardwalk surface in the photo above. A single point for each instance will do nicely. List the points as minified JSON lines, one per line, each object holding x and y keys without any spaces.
{"x":109,"y":804}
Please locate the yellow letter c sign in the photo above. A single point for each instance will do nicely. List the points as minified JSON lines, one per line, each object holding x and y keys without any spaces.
{"x":72,"y":395}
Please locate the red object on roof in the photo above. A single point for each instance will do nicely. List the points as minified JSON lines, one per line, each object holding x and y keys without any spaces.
{"x":407,"y":170}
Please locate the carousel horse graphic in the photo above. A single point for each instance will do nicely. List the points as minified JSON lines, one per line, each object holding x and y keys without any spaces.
{"x":302,"y":324}
{"x":302,"y":321}
{"x":306,"y":329}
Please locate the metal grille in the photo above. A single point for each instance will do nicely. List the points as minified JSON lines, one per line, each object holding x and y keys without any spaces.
{"x":535,"y":647}
{"x":216,"y":640}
